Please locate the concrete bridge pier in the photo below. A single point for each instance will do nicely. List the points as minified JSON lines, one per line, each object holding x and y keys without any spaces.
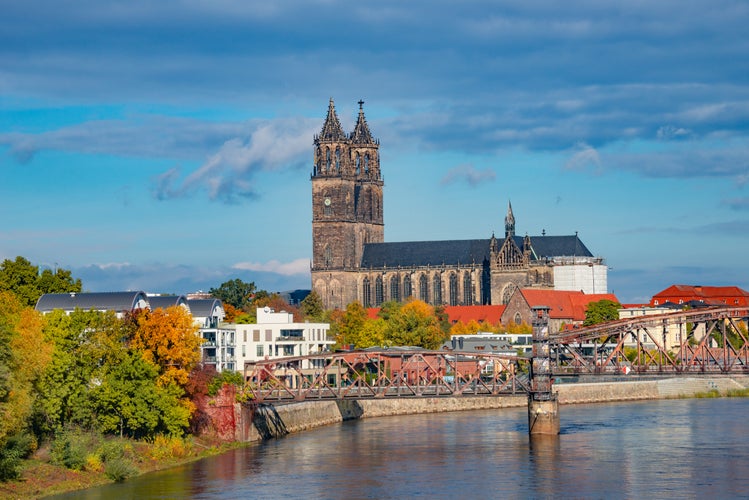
{"x":543,"y":417}
{"x":543,"y":407}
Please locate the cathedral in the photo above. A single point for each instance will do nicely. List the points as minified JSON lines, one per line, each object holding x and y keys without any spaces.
{"x":351,"y":260}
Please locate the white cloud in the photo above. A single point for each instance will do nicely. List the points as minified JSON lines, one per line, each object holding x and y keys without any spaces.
{"x":469,"y":174}
{"x":585,"y":157}
{"x":298,"y":266}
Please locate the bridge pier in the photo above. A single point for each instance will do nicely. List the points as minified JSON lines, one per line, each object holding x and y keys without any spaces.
{"x":543,"y":407}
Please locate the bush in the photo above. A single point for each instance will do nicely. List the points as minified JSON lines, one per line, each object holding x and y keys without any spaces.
{"x":119,"y":469}
{"x":71,"y":449}
{"x":18,"y":447}
{"x":170,"y":447}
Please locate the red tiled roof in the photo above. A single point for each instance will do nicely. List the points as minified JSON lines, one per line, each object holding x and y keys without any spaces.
{"x":731,"y":295}
{"x":564,"y":304}
{"x":464,"y":314}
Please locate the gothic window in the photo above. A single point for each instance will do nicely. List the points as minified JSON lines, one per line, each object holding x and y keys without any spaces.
{"x":423,"y":289}
{"x":467,"y":289}
{"x":395,"y":292}
{"x":407,"y":286}
{"x":518,"y":320}
{"x":453,"y":289}
{"x":358,"y":164}
{"x":437,"y":292}
{"x":379,"y":299}
{"x":337,"y":159}
{"x":507,"y":293}
{"x":366,"y":163}
{"x":328,"y":257}
{"x":327,"y":160}
{"x":366,"y":293}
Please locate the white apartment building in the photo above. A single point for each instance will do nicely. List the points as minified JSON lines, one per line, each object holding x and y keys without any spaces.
{"x":276,"y":335}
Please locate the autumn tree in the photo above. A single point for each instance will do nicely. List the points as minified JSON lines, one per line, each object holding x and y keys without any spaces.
{"x":168,"y":338}
{"x":415,"y":324}
{"x":312,"y":307}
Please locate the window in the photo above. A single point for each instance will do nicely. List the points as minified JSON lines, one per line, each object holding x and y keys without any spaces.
{"x":358,"y":164}
{"x":245,"y":335}
{"x":328,"y":257}
{"x":366,"y":293}
{"x":327,"y":160}
{"x":453,"y":289}
{"x":467,"y":289}
{"x":518,"y":320}
{"x":379,"y":299}
{"x":437,"y":292}
{"x":260,"y":352}
{"x":338,"y":159}
{"x":407,"y":292}
{"x":366,"y":163}
{"x":395,"y":289}
{"x":423,"y":288}
{"x":256,"y":335}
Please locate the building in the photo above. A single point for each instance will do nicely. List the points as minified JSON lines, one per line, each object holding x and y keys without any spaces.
{"x":277,"y":335}
{"x":566,"y":308}
{"x":352,"y":262}
{"x":708,"y":295}
{"x":217,"y":349}
{"x":670,"y":336}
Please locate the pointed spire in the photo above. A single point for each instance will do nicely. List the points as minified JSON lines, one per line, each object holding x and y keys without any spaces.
{"x":331,"y":129}
{"x":509,"y":222}
{"x":361,"y":134}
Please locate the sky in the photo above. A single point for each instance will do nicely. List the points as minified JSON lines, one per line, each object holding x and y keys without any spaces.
{"x":167,"y":146}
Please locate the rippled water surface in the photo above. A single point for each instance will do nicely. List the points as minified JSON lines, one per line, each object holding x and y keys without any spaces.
{"x":663,"y":449}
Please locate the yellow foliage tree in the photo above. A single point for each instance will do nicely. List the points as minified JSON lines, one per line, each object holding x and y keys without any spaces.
{"x":168,"y":339}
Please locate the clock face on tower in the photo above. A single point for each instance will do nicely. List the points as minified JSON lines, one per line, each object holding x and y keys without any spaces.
{"x":327,"y":202}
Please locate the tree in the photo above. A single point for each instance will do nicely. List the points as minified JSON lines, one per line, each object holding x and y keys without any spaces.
{"x":23,"y":279}
{"x":601,"y":311}
{"x":350,"y":324}
{"x":312,"y":308}
{"x":415,"y":324}
{"x":234,"y":292}
{"x":168,"y":339}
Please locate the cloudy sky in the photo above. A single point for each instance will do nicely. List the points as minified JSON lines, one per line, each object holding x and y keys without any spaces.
{"x":167,"y":146}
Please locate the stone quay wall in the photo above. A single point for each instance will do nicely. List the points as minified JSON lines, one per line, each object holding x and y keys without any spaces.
{"x":255,"y":423}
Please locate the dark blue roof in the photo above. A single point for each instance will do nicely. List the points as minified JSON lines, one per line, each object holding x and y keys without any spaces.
{"x":453,"y":252}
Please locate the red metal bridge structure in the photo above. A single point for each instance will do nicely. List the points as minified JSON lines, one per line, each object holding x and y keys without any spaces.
{"x":711,"y":340}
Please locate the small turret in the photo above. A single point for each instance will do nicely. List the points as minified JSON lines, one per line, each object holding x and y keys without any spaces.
{"x":509,"y":222}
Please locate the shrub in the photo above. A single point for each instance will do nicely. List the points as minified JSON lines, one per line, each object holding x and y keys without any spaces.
{"x":18,"y":447}
{"x":120,"y":469}
{"x":170,"y":447}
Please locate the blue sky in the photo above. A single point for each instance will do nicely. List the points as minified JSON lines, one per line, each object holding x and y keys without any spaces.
{"x":167,"y":146}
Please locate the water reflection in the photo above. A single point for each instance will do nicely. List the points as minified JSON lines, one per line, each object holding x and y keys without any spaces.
{"x":684,"y":448}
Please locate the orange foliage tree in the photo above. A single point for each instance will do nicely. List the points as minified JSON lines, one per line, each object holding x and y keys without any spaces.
{"x":168,"y":339}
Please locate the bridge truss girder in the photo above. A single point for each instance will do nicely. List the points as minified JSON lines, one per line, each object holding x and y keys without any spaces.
{"x":386,"y":374}
{"x":713,"y":352}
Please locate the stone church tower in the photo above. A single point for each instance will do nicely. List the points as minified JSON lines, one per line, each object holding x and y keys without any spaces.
{"x":346,"y":206}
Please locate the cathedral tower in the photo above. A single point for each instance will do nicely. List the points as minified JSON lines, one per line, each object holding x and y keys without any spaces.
{"x":347,"y":207}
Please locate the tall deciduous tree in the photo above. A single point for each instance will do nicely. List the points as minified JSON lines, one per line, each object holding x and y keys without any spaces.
{"x":235,"y":292}
{"x":601,"y":311}
{"x":22,"y":278}
{"x":415,"y":324}
{"x":168,"y":339}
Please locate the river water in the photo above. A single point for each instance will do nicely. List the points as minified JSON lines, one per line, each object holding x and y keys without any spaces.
{"x":664,"y":449}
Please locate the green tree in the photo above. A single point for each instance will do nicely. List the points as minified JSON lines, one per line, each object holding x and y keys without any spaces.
{"x":350,"y":325}
{"x":372,"y":333}
{"x":23,"y":279}
{"x":312,"y":308}
{"x":601,"y":311}
{"x":129,"y":402}
{"x":235,"y":292}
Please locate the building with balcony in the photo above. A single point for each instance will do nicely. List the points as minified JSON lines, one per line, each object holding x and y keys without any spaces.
{"x":277,"y":335}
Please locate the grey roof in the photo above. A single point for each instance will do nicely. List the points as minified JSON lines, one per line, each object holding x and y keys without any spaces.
{"x":473,"y":343}
{"x":164,"y":301}
{"x":102,"y":301}
{"x":203,"y":308}
{"x":453,"y":252}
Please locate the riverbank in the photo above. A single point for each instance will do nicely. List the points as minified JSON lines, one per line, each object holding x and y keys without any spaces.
{"x":40,"y":478}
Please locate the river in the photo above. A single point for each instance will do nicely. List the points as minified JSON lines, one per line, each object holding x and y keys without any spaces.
{"x":688,"y":448}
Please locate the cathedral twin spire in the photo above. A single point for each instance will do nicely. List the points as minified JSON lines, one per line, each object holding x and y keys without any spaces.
{"x":332,"y":130}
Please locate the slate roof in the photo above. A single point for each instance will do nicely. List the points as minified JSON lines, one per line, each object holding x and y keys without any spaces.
{"x":164,"y":301}
{"x":203,"y":308}
{"x":453,"y":252}
{"x":102,"y":301}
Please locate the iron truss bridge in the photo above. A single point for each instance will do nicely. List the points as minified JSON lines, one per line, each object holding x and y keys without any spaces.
{"x":708,"y":341}
{"x":386,"y":373}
